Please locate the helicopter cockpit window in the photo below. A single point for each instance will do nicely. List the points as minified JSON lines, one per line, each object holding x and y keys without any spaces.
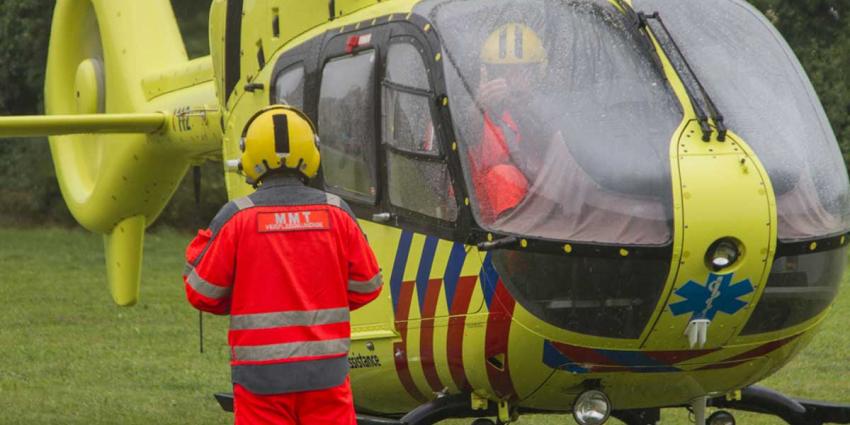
{"x":607,"y":297}
{"x":798,"y":288}
{"x":346,"y":126}
{"x":418,"y":176}
{"x":289,"y":87}
{"x":563,"y":116}
{"x":766,"y":98}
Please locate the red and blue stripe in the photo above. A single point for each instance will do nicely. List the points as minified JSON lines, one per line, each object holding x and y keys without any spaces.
{"x":588,"y":360}
{"x":459,"y":290}
{"x":402,"y":295}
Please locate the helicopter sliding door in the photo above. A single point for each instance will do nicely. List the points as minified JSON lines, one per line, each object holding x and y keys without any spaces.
{"x":384,"y":151}
{"x":346,"y":121}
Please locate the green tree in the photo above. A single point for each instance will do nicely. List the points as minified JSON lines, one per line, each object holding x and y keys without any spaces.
{"x":24,"y":29}
{"x":27,"y":181}
{"x":819,"y":33}
{"x":193,"y":16}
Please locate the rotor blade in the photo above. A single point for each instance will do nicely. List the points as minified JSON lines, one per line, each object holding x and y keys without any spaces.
{"x":54,"y":125}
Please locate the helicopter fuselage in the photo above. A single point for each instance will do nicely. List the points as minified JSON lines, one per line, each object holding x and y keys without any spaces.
{"x":535,"y":320}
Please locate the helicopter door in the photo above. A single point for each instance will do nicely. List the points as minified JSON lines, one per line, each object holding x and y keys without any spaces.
{"x":404,"y":189}
{"x":418,"y":178}
{"x":419,"y":185}
{"x":434,"y":282}
{"x":346,"y":128}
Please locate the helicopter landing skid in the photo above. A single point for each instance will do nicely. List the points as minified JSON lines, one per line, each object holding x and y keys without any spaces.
{"x":445,"y":407}
{"x":427,"y":414}
{"x":755,"y":399}
{"x":793,"y":411}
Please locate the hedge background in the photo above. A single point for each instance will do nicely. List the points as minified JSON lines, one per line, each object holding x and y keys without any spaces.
{"x":817,"y":30}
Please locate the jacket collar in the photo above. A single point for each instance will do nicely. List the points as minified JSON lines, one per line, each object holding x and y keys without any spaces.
{"x":276,"y":180}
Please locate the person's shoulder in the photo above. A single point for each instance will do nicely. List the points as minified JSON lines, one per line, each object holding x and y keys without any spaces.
{"x":338,"y":202}
{"x":228,"y":211}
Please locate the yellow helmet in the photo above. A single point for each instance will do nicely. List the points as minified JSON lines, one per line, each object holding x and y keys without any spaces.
{"x":279,"y":136}
{"x":513,"y":43}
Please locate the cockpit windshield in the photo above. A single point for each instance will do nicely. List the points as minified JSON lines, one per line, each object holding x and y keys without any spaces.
{"x":766,"y":98}
{"x":566,"y":119}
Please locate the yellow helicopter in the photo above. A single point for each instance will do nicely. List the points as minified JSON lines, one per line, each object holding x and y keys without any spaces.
{"x":652,"y":214}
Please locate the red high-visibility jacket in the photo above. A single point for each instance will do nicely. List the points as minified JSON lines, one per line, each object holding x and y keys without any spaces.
{"x":499,"y":184}
{"x":287,"y":263}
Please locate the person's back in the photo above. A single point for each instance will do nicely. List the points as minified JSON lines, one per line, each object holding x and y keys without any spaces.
{"x":287,"y":263}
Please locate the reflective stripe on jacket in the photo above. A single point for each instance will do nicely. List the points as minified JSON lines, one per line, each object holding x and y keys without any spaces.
{"x":287,"y":263}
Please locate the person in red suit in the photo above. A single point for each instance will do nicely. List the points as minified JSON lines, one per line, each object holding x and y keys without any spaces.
{"x":513,"y":60}
{"x":287,"y":263}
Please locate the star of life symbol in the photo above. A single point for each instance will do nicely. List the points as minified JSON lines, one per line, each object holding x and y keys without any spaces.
{"x":705,"y":301}
{"x":717,"y":295}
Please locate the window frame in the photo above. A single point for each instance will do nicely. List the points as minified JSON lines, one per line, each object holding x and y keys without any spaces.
{"x":300,"y":55}
{"x":334,"y":44}
{"x":439,"y":156}
{"x":348,"y":195}
{"x":429,"y":94}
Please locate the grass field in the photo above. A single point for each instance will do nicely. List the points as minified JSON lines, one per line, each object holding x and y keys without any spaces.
{"x":69,"y":356}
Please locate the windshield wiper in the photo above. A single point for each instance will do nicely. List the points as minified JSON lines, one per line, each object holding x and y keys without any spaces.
{"x":699,"y":98}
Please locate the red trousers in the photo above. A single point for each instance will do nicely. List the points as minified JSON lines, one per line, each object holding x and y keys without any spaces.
{"x":332,"y":406}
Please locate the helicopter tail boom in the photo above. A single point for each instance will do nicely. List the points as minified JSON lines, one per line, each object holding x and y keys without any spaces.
{"x":55,"y":125}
